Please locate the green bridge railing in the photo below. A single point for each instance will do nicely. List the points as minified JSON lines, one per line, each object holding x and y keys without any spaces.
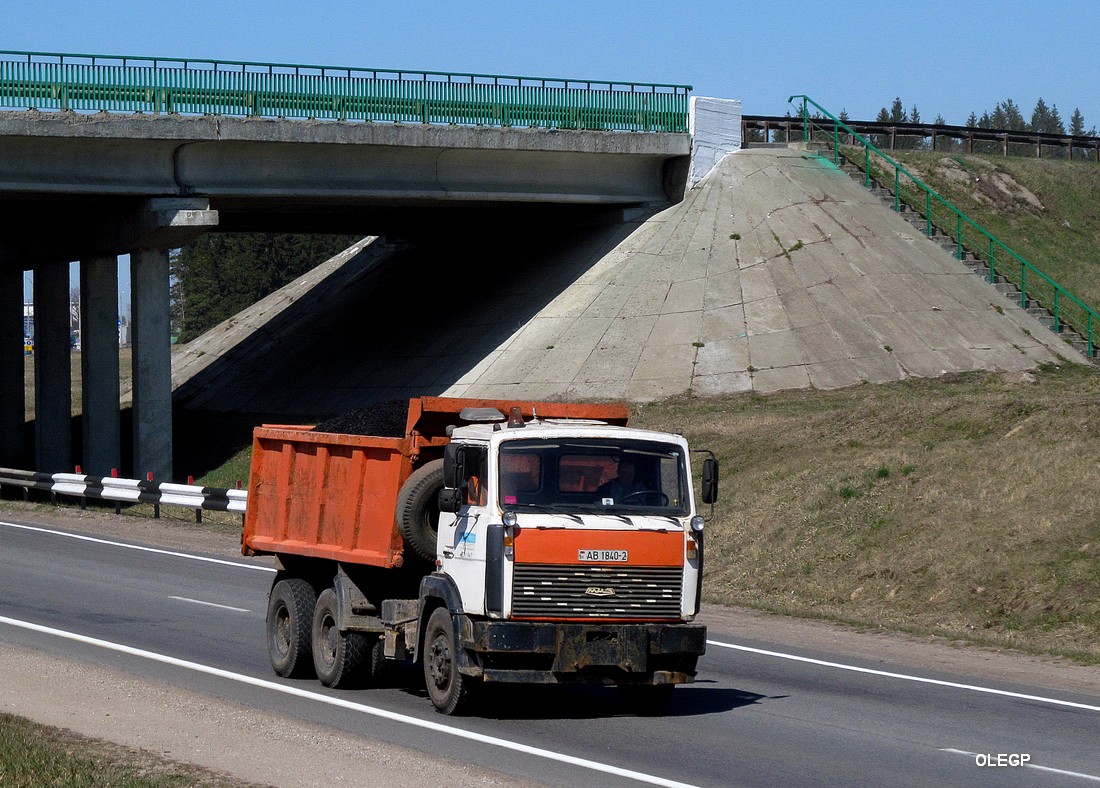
{"x":49,"y":81}
{"x":1001,"y":261}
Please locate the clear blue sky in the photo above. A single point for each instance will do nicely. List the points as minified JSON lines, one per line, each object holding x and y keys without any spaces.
{"x":947,"y":58}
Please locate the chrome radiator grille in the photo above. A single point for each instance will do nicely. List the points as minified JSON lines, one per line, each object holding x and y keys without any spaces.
{"x":550,"y":591}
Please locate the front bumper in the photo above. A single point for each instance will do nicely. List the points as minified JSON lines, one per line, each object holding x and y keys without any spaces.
{"x":548,"y":652}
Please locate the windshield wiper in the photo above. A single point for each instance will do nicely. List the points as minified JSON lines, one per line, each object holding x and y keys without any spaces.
{"x":573,"y":510}
{"x":547,"y":508}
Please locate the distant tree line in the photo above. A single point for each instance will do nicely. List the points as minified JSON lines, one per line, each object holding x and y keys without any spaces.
{"x":219,"y":274}
{"x":1005,"y":116}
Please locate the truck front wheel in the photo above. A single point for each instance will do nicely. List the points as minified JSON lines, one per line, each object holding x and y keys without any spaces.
{"x":338,"y":657}
{"x":289,"y":620}
{"x":448,"y":689}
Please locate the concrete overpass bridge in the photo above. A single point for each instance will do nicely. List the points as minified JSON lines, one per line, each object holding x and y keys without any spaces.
{"x":539,"y":243}
{"x":104,"y":156}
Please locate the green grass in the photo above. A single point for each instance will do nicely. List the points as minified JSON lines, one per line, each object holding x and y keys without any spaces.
{"x":231,"y":472}
{"x":36,"y":755}
{"x":1058,"y":231}
{"x":962,"y":508}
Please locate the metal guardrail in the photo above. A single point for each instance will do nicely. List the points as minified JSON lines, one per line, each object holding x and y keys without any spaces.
{"x":116,"y":83}
{"x":970,"y":237}
{"x":789,"y":125}
{"x":131,"y":491}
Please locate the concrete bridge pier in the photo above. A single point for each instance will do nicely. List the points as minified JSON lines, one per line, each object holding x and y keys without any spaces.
{"x":99,"y":366}
{"x":147,"y":230}
{"x":12,"y":397}
{"x":152,"y":364}
{"x":52,"y":373}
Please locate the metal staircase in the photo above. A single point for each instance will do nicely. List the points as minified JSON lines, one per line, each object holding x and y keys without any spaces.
{"x":942,"y":223}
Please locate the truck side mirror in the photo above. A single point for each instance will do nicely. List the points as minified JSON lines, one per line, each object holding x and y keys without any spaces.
{"x":453,"y":461}
{"x":451,"y":499}
{"x":710,"y":480}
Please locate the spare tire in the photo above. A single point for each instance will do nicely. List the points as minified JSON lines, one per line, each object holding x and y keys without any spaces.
{"x":418,"y":508}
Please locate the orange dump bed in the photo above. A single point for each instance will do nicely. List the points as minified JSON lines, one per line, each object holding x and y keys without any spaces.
{"x":334,"y":496}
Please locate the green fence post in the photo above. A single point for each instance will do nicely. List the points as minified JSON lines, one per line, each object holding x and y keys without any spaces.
{"x":992,"y":261}
{"x":1023,"y":286}
{"x":958,"y":236}
{"x":1057,"y":312}
{"x":866,"y":167}
{"x":927,"y":213}
{"x":836,"y":143}
{"x":897,"y":188}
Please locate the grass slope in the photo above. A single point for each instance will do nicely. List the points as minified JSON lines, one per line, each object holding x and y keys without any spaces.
{"x":963,"y":507}
{"x":37,"y":755}
{"x":1044,"y":209}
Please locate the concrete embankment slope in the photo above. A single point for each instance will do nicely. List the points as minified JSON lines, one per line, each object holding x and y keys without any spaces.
{"x":776,"y":272}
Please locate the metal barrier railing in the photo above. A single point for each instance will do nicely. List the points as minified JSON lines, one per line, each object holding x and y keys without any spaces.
{"x":115,"y":83}
{"x":129,"y":491}
{"x":970,"y":139}
{"x":969,"y":237}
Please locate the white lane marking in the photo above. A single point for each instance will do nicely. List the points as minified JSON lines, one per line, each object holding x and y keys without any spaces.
{"x":905,"y":677}
{"x":141,"y":548}
{"x":210,"y":604}
{"x":346,"y":704}
{"x":1050,"y":769}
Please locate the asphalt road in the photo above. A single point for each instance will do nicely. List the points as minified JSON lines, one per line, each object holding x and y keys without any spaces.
{"x":761,"y":713}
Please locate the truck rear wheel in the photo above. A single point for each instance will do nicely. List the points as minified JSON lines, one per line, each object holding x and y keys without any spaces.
{"x":289,"y":627}
{"x":418,"y":508}
{"x":448,"y":689}
{"x":338,"y":657}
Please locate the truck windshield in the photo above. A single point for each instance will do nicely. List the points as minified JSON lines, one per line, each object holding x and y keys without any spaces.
{"x":586,"y":475}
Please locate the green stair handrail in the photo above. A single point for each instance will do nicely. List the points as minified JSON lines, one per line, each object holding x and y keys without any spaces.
{"x":925,"y":200}
{"x":121,"y":83}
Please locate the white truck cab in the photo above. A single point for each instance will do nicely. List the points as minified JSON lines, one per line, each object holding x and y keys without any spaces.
{"x":569,"y":550}
{"x":571,"y":519}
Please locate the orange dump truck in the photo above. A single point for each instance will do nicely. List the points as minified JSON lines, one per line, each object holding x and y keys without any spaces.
{"x":495,"y":541}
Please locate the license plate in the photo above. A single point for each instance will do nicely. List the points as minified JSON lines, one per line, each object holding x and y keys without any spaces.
{"x":601,"y":555}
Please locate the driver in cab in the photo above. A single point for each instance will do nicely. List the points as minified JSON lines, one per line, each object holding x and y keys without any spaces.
{"x":622,"y":486}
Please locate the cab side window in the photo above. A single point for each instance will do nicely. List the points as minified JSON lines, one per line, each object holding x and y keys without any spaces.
{"x":477,"y":469}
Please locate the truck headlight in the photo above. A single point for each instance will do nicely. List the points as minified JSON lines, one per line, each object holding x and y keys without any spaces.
{"x":509,"y":520}
{"x":697,"y":523}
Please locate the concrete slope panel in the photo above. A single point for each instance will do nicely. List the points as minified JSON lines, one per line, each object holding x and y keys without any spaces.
{"x":776,"y":272}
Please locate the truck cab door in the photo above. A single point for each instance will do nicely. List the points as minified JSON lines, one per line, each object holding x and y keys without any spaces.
{"x":462,"y":535}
